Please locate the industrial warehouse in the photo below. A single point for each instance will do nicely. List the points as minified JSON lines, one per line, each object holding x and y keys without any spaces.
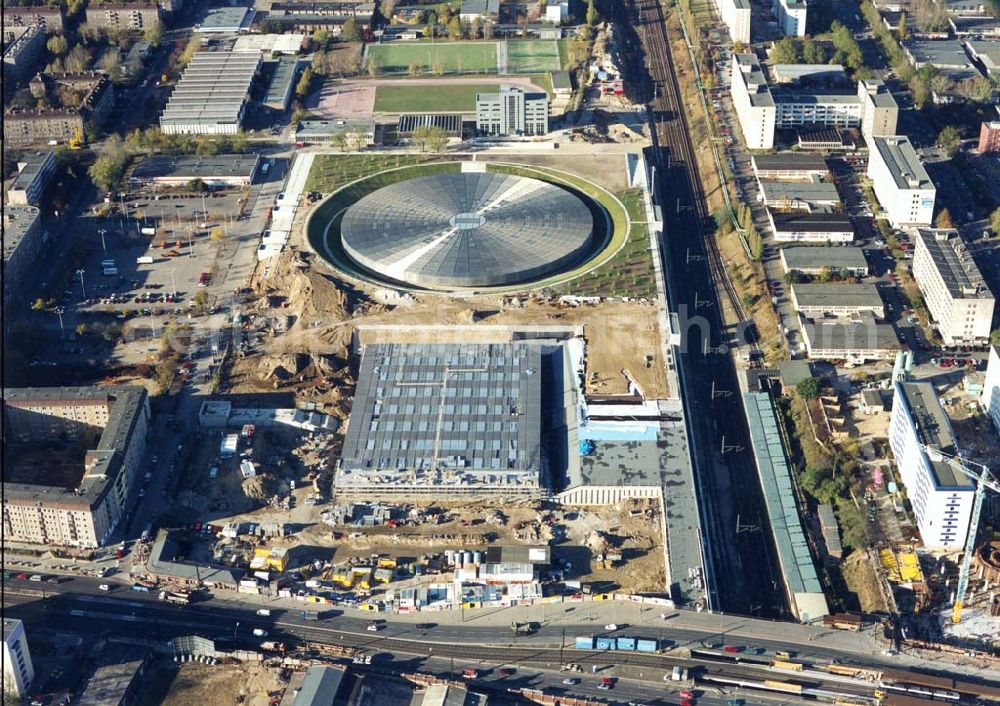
{"x":212,"y":94}
{"x":218,"y":170}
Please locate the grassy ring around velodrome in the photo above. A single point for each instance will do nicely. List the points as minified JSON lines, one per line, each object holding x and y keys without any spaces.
{"x":611,"y":222}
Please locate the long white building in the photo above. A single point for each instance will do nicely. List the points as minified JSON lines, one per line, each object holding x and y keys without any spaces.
{"x":791,"y":16}
{"x":18,"y":671}
{"x":960,"y":302}
{"x":902,"y":185}
{"x":736,"y":15}
{"x":762,"y":109}
{"x":212,"y":95}
{"x":941,"y":496}
{"x":991,"y":388}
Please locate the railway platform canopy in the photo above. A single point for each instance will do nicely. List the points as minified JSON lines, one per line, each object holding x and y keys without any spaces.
{"x":802,"y":585}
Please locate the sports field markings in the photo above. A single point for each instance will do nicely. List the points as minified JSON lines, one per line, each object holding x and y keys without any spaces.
{"x":502,"y":57}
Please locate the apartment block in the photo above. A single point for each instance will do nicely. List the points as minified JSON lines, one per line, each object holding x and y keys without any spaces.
{"x":34,"y":171}
{"x":22,"y":244}
{"x":791,"y":16}
{"x":512,"y":111}
{"x":736,"y":15}
{"x":73,"y":462}
{"x":22,"y":49}
{"x":960,"y":302}
{"x":941,"y":496}
{"x":753,"y":102}
{"x":879,"y":110}
{"x":50,"y":18}
{"x":901,"y":183}
{"x":989,"y":137}
{"x":126,"y":15}
{"x":18,"y":671}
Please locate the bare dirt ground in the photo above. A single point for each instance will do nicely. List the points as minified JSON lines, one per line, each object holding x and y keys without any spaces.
{"x":220,"y":684}
{"x":863,"y":582}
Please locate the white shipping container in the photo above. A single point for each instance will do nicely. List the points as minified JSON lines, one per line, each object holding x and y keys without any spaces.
{"x":148,"y":231}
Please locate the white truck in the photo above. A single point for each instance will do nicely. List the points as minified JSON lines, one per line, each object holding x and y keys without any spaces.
{"x":148,"y":231}
{"x":677,"y":674}
{"x":145,"y":260}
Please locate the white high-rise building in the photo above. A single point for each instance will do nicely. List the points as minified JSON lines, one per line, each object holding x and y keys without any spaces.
{"x":991,"y":388}
{"x":791,"y":16}
{"x":753,"y":102}
{"x":957,"y":297}
{"x":902,"y":185}
{"x":940,"y":495}
{"x":18,"y":672}
{"x":736,"y":15}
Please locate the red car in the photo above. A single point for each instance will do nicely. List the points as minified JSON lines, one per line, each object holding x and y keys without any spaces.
{"x":686,"y":694}
{"x":731,"y":649}
{"x":686,"y":702}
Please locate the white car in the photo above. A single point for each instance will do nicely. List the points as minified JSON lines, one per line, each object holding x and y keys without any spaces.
{"x":611,"y":626}
{"x":570,"y":681}
{"x":264,"y":612}
{"x":259,"y":633}
{"x":104,"y":587}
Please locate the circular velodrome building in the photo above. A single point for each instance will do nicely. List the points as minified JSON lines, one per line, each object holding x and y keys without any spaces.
{"x":467,"y":230}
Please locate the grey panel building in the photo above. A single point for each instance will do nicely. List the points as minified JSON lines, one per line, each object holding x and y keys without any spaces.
{"x":218,"y":170}
{"x":34,"y":170}
{"x":22,"y":47}
{"x":512,"y":111}
{"x":440,"y":419}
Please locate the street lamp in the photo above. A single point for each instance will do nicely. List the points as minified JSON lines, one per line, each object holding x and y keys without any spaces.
{"x":104,"y":245}
{"x":235,"y":628}
{"x":59,"y":312}
{"x":173,"y":284}
{"x":82,"y":287}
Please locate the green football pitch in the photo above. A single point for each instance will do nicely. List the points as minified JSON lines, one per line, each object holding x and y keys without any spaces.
{"x":435,"y":57}
{"x":532,"y":56}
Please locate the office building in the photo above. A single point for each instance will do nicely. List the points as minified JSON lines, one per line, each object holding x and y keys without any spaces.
{"x":789,"y":166}
{"x":50,"y":18}
{"x":902,"y":185}
{"x":989,"y":137}
{"x":853,"y":342}
{"x":991,"y":387}
{"x":23,"y":238}
{"x":791,"y":16}
{"x":134,"y":16}
{"x":818,"y":300}
{"x":941,"y":496}
{"x":798,"y":226}
{"x":212,"y":94}
{"x":34,"y":171}
{"x":22,"y":48}
{"x":879,"y":110}
{"x":815,"y":260}
{"x":736,"y":15}
{"x":512,"y":111}
{"x":73,"y":462}
{"x":445,"y":419}
{"x":806,"y":98}
{"x":18,"y":671}
{"x":960,"y":303}
{"x":813,"y":195}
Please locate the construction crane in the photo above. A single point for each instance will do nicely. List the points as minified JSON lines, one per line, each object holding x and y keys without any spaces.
{"x":983,"y":481}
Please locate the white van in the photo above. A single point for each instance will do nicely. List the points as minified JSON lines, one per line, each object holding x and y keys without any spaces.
{"x":259,"y":633}
{"x":263,"y":612}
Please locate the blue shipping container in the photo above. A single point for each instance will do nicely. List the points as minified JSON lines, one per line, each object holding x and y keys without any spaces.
{"x":645,"y":645}
{"x":626,"y":643}
{"x":606,"y":643}
{"x":584,"y":643}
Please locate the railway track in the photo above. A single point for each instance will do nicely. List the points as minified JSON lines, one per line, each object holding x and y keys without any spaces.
{"x":671,"y":138}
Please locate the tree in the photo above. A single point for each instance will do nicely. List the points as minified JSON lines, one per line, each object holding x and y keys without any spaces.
{"x":786,"y":51}
{"x":111,"y":63}
{"x":995,"y":222}
{"x":387,"y":8}
{"x":351,"y":32}
{"x":901,"y":26}
{"x":78,"y":60}
{"x":949,"y":140}
{"x":216,"y":234}
{"x":812,"y":52}
{"x":190,"y":49}
{"x":455,"y":29}
{"x":413,"y":69}
{"x":152,"y":35}
{"x":81,"y":330}
{"x":437,"y":138}
{"x":39,"y":304}
{"x":995,"y":337}
{"x":748,"y":300}
{"x":107,"y":172}
{"x":373,"y":67}
{"x":943,"y":219}
{"x":200,"y":300}
{"x":58,"y":45}
{"x":808,"y":389}
{"x":592,"y":16}
{"x":305,"y":83}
